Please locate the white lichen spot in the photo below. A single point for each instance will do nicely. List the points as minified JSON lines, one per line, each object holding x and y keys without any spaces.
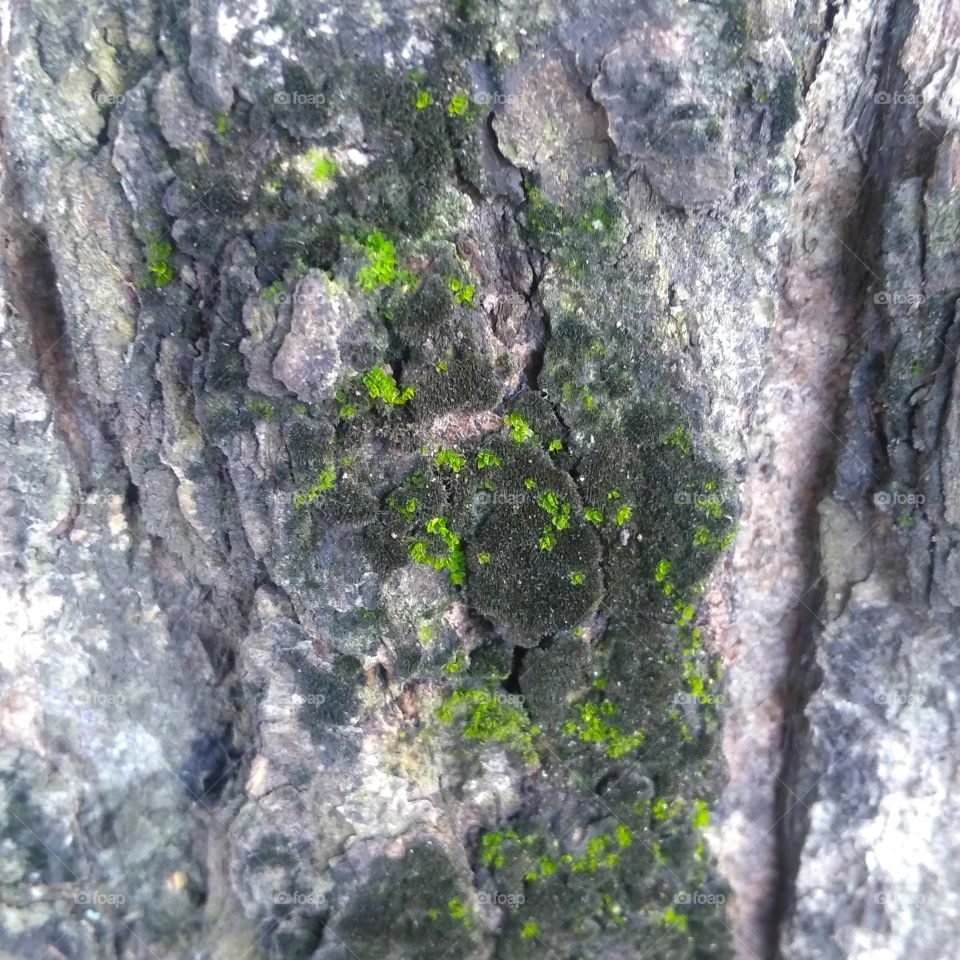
{"x":227,"y":26}
{"x":416,"y":49}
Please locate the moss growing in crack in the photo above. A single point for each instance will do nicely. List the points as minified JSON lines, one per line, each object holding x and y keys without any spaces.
{"x":381,"y":385}
{"x":159,"y":250}
{"x":580,"y":237}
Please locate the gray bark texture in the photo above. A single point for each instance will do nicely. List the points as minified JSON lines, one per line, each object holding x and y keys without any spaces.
{"x":481,"y":479}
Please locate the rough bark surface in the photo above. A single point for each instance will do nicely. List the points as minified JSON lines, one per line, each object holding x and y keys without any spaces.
{"x":480,"y":479}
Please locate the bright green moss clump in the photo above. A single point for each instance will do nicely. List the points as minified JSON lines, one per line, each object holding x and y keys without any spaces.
{"x":322,"y":166}
{"x":450,"y":459}
{"x":452,"y":560}
{"x":326,"y":479}
{"x":381,"y":268}
{"x":519,"y":428}
{"x":459,"y":104}
{"x":381,"y":385}
{"x":489,"y":718}
{"x":159,"y":251}
{"x":594,"y":726}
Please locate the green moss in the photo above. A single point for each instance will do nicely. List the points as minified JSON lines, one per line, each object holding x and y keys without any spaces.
{"x":462,"y":291}
{"x":429,"y":916}
{"x":261,"y":407}
{"x":701,"y":815}
{"x":323,"y":167}
{"x":381,"y":385}
{"x":519,"y":428}
{"x":159,"y":251}
{"x":270,"y":292}
{"x":593,"y":727}
{"x":423,"y":99}
{"x":597,"y":856}
{"x":452,"y":560}
{"x":459,"y":104}
{"x":406,"y":507}
{"x":326,"y":480}
{"x":530,"y":929}
{"x":468,"y":381}
{"x":673,"y":919}
{"x":487,"y":458}
{"x":458,"y":910}
{"x":533,"y":542}
{"x":489,"y":718}
{"x":381,"y":269}
{"x":680,"y":439}
{"x":450,"y":459}
{"x":457,"y":663}
{"x":491,"y":846}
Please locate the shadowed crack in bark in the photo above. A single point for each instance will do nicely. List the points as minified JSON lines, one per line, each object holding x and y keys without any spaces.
{"x":836,"y":210}
{"x":775,"y":559}
{"x":33,"y":292}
